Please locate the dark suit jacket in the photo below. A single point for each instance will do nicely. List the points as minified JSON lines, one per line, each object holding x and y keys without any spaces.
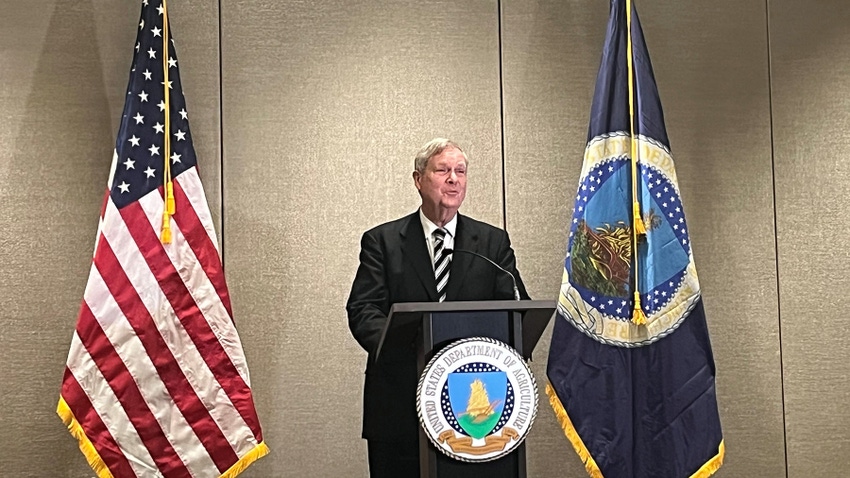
{"x":395,"y":266}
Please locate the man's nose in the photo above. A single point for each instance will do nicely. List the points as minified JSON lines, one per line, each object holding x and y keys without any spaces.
{"x":452,"y":176}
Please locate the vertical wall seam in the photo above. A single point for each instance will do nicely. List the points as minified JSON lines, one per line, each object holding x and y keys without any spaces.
{"x":221,"y":129}
{"x":776,"y":232}
{"x":502,"y":117}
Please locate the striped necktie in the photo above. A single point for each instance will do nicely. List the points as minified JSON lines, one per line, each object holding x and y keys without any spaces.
{"x":441,"y":264}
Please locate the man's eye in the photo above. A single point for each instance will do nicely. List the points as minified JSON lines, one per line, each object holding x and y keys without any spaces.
{"x":460,"y":172}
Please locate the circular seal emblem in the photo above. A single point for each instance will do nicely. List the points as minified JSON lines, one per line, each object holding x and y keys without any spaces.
{"x":477,"y":399}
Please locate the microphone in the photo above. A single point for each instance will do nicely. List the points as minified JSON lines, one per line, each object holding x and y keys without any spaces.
{"x":497,"y":266}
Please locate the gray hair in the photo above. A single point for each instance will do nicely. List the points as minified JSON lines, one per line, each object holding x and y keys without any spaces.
{"x":433,"y":148}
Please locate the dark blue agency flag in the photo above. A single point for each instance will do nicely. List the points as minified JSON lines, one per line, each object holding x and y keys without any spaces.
{"x":631,"y":372}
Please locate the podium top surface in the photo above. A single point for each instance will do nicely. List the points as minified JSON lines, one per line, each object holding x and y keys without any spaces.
{"x":405,"y":319}
{"x":472,"y":306}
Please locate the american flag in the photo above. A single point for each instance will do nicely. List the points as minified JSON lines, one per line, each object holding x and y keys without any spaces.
{"x":156,"y":382}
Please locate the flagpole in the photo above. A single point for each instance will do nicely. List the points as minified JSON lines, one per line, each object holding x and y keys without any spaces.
{"x":638,"y":317}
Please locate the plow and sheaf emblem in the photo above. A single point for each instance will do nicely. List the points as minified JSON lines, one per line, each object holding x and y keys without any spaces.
{"x":602,"y":255}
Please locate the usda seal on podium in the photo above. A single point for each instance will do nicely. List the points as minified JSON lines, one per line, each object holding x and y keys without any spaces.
{"x":477,"y":399}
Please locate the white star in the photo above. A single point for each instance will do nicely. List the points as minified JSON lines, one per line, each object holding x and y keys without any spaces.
{"x":684,"y":241}
{"x":134,"y":140}
{"x":671,"y":214}
{"x":183,"y":114}
{"x":172,"y":62}
{"x":139,"y":118}
{"x":664,"y":204}
{"x":610,"y":169}
{"x":584,"y":187}
{"x":649,"y":175}
{"x":658,"y":195}
{"x":145,"y":3}
{"x":592,"y":188}
{"x":137,"y":46}
{"x":666,"y":189}
{"x":161,"y":106}
{"x":675,"y":226}
{"x":147,"y":74}
{"x":150,"y":172}
{"x":143,"y":96}
{"x":593,"y":298}
{"x":160,"y":9}
{"x":124,"y":187}
{"x":619,"y":311}
{"x":156,"y":32}
{"x":672,"y":198}
{"x":130,"y":164}
{"x":580,"y":209}
{"x":681,"y":219}
{"x":141,"y":24}
{"x":152,"y":53}
{"x":154,"y":150}
{"x":175,"y":158}
{"x":678,"y":210}
{"x":158,"y":127}
{"x":169,"y":84}
{"x":181,"y":136}
{"x":575,"y":220}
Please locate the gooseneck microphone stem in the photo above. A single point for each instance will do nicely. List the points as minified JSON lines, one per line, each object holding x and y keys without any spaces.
{"x":497,"y":266}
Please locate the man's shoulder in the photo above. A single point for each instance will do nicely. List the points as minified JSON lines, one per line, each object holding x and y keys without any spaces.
{"x":475,"y":225}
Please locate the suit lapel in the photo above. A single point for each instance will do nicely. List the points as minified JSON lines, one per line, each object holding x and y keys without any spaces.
{"x":415,"y":252}
{"x":466,"y":238}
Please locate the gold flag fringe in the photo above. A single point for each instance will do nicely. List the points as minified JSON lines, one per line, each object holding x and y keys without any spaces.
{"x":708,"y":469}
{"x":712,"y":465}
{"x":255,"y":454}
{"x":95,"y":461}
{"x":572,"y":435}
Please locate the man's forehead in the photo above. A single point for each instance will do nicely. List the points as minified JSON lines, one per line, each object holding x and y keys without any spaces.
{"x":452,"y":155}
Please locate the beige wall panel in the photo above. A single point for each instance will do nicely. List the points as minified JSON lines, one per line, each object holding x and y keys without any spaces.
{"x":62,"y":88}
{"x":711,"y":66}
{"x":325,"y":104}
{"x":810,"y":56}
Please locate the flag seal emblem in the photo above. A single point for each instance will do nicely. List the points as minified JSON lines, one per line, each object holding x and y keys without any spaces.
{"x":596,"y":294}
{"x":477,"y":399}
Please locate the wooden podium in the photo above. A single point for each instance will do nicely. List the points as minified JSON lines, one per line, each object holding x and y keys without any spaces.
{"x":432,"y":326}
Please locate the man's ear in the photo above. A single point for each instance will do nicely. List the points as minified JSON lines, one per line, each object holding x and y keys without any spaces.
{"x":416,"y":177}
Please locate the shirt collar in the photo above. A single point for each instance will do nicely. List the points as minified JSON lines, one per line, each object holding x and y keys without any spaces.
{"x":429,"y":227}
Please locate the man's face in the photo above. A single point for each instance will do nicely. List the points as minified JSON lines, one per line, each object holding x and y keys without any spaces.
{"x":443,"y":184}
